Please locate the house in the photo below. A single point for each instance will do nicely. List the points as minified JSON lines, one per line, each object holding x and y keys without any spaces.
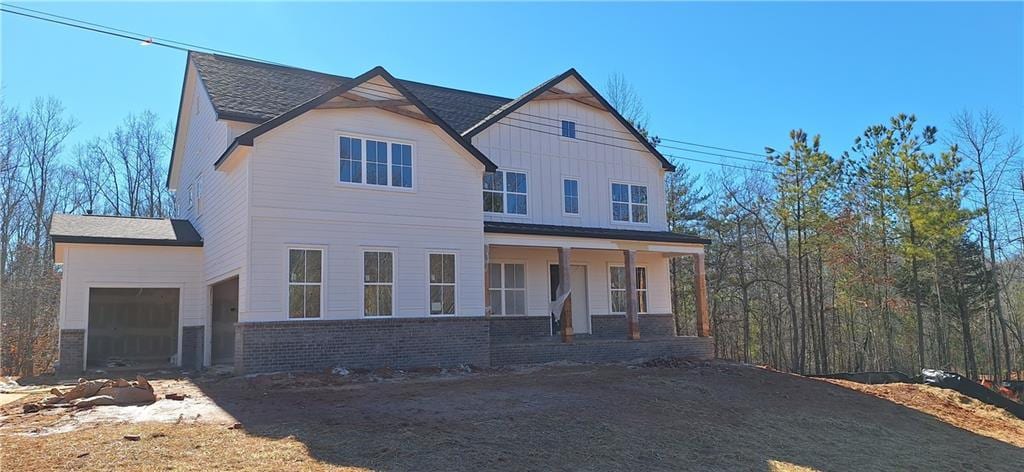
{"x":370,"y":221}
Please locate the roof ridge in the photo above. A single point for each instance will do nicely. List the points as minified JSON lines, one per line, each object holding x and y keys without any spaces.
{"x":456,"y":89}
{"x":127,"y":217}
{"x":267,"y":63}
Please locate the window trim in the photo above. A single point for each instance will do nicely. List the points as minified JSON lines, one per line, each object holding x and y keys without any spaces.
{"x":456,"y":284}
{"x":364,"y":283}
{"x":385,"y":139}
{"x":526,"y":299}
{"x":579,"y":198}
{"x":575,"y":125}
{"x":646,"y":289}
{"x":288,"y":283}
{"x":191,"y":196}
{"x":504,"y":194}
{"x":612,"y":202}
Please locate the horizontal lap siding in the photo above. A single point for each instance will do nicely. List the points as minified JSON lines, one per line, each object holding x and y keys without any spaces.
{"x":88,"y":266}
{"x":301,"y":203}
{"x":221,"y":215}
{"x":548,"y":159}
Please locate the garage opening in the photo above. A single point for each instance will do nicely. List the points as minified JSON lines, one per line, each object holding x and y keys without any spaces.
{"x":132,"y":327}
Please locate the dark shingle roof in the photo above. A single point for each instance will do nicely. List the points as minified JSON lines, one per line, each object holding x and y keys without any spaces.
{"x":585,"y":232}
{"x":255,"y":92}
{"x":102,"y":229}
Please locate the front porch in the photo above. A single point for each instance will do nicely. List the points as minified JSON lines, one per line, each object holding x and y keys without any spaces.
{"x":618,"y":286}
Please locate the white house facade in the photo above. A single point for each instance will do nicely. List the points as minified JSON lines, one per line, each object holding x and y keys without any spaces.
{"x":370,"y":221}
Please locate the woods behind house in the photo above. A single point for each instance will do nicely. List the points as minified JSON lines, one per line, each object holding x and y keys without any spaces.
{"x":901,"y":252}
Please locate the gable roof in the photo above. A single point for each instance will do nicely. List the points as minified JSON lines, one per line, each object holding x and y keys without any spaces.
{"x":255,"y":92}
{"x":104,"y":229}
{"x":247,"y":138}
{"x":514,"y":105}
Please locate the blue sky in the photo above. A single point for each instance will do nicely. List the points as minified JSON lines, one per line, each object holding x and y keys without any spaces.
{"x":735,"y":75}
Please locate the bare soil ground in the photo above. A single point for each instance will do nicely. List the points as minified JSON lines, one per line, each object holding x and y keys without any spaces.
{"x":670,"y":416}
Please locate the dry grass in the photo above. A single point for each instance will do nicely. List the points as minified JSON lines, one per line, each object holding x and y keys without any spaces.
{"x":951,"y":407}
{"x":713,"y":416}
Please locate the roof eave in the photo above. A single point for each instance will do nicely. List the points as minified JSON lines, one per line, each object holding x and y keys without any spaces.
{"x":65,"y":239}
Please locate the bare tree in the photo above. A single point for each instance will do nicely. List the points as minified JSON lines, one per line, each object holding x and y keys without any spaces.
{"x":624,"y":97}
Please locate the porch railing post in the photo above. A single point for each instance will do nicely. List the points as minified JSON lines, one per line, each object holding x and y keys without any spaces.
{"x":564,"y":286}
{"x":700,"y":287}
{"x":632,"y":297}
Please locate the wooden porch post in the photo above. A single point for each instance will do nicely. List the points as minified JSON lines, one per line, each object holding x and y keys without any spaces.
{"x":700,"y":287}
{"x":487,"y":280}
{"x":565,"y":285}
{"x":632,"y":297}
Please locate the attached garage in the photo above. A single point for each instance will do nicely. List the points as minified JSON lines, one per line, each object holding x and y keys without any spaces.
{"x":132,"y":293}
{"x":132,"y":327}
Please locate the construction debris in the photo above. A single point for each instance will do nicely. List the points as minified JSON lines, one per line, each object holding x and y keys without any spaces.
{"x":132,"y":437}
{"x":90,"y":393}
{"x":175,"y":396}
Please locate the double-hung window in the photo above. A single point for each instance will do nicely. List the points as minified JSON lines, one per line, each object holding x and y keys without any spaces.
{"x":442,"y":283}
{"x":617,"y":289}
{"x":507,"y":293}
{"x":375,"y":162}
{"x":571,"y":196}
{"x":378,"y":283}
{"x":629,"y":203}
{"x":305,"y":276}
{"x":505,"y":192}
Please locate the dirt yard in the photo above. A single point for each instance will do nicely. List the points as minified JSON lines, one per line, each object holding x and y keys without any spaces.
{"x":708,"y":416}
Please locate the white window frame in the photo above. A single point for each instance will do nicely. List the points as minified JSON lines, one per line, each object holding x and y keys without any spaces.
{"x":579,"y":198}
{"x":645,"y":290}
{"x":199,"y":194}
{"x":363,"y":163}
{"x":612,"y":202}
{"x":505,"y":193}
{"x":503,"y":289}
{"x":288,"y":282}
{"x":431,"y":252}
{"x":392,"y":284}
{"x":191,"y":196}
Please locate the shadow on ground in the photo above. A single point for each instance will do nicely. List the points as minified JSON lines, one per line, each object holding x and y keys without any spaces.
{"x":714,"y":416}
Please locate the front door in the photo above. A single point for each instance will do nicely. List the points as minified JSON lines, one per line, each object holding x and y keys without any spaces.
{"x":580,"y":308}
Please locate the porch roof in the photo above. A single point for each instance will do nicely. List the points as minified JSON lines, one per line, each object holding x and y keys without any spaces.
{"x":592,"y":233}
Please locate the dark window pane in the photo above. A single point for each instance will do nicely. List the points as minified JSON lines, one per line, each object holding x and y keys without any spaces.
{"x":384,"y":300}
{"x":296,"y":265}
{"x":641,"y":278}
{"x":620,"y":211}
{"x":494,"y":299}
{"x":386,"y":267}
{"x":555,"y":278}
{"x":435,"y":268}
{"x":618,"y":278}
{"x":370,"y":263}
{"x":516,"y":204}
{"x":639,"y":194}
{"x":618,"y":301}
{"x":370,"y":307}
{"x":295,"y":301}
{"x":640,"y":213}
{"x":312,"y":301}
{"x":620,"y":193}
{"x":313,"y":265}
{"x":436,"y":305}
{"x":448,"y":268}
{"x":642,"y":307}
{"x":493,"y":180}
{"x":493,"y":202}
{"x":448,"y":292}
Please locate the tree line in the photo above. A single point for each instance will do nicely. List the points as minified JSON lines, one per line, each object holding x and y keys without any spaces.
{"x":902,"y":252}
{"x":121,"y":173}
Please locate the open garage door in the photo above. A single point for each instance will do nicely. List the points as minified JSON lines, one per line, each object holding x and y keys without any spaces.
{"x":132,"y":327}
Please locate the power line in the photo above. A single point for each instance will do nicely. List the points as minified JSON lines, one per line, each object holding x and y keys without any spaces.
{"x":713,"y":147}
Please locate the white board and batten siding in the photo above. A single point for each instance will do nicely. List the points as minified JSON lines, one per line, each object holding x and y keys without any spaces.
{"x":548,"y":158}
{"x":220,"y":210}
{"x":300,"y":202}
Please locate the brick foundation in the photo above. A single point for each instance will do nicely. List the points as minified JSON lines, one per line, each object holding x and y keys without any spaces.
{"x":519,"y":328}
{"x":71,"y":351}
{"x":362,"y":343}
{"x":192,"y":343}
{"x":614,"y":326}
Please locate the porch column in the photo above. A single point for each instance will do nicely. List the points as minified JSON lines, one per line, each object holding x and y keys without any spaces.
{"x":487,"y":280}
{"x":632,"y":297}
{"x":700,"y":288}
{"x":565,"y":286}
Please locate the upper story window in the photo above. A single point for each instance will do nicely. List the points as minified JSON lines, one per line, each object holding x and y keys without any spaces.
{"x":629,"y":203}
{"x":305,"y":276}
{"x":571,"y":196}
{"x":385,"y":163}
{"x":568,"y":129}
{"x":505,"y":192}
